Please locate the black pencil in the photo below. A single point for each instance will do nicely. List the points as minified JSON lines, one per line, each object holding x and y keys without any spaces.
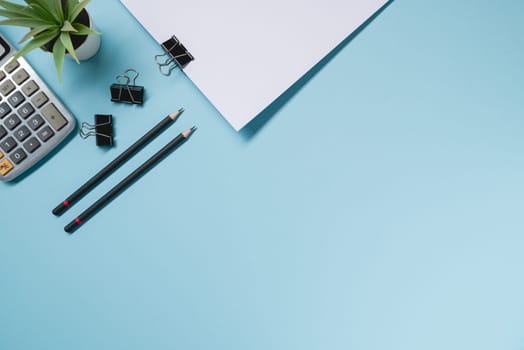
{"x":117,"y":162}
{"x":130,"y":179}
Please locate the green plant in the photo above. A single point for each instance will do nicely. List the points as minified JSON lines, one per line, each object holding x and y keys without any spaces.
{"x":51,"y":24}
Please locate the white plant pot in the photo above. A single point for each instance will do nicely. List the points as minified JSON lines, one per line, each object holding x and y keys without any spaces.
{"x":90,"y":46}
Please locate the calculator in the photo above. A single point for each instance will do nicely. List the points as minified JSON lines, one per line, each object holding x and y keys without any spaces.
{"x":33,"y":121}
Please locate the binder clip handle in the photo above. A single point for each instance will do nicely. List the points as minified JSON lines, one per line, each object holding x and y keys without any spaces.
{"x":125,"y":90}
{"x":102,"y":130}
{"x":122,"y":79}
{"x":175,"y":55}
{"x":133,"y":79}
{"x":167,"y":65}
{"x":170,"y":63}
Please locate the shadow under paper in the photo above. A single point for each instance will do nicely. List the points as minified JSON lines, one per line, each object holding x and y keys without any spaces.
{"x":255,"y":125}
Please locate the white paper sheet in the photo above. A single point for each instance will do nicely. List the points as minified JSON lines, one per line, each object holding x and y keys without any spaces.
{"x":247,"y":53}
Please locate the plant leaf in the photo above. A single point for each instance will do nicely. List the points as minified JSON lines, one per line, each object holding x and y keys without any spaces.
{"x":69,"y":8}
{"x":68,"y":27}
{"x":24,"y":22}
{"x":58,"y":10}
{"x":26,"y":12}
{"x":38,"y":41}
{"x":77,"y":9}
{"x":36,"y":31}
{"x":58,"y":58}
{"x":10,"y":6}
{"x":13,"y":14}
{"x":47,"y":4}
{"x":83,"y":30}
{"x":66,"y":40}
{"x":43,"y":11}
{"x":44,"y":6}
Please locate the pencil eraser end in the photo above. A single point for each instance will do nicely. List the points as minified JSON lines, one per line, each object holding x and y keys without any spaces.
{"x":71,"y":227}
{"x":59,"y":209}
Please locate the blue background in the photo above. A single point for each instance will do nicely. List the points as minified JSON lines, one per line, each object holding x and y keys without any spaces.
{"x":380,"y":207}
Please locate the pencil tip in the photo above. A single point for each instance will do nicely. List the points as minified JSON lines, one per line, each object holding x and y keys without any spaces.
{"x":189,"y":132}
{"x":175,"y":115}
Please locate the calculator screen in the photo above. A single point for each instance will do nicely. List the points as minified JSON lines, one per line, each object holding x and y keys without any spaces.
{"x":4,"y":48}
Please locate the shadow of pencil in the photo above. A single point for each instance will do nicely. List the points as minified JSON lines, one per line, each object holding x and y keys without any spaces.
{"x":254,"y":126}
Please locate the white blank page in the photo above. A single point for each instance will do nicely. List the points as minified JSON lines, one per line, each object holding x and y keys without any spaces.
{"x":247,"y":53}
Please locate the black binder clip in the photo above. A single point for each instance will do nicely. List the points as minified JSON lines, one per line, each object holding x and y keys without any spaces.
{"x":175,"y":55}
{"x":125,"y":90}
{"x":103,"y":130}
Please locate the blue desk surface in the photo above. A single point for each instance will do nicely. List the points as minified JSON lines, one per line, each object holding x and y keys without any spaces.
{"x":379,"y":208}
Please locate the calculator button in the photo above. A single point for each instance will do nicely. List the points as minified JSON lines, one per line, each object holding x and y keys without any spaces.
{"x":22,"y":133}
{"x":39,"y":99}
{"x":36,"y":122}
{"x":3,"y":132}
{"x":6,"y":87}
{"x":11,"y":66}
{"x":8,"y":144}
{"x":4,"y":109}
{"x":30,"y":88}
{"x":45,"y":134}
{"x":31,"y":145}
{"x":2,"y":75}
{"x":26,"y":110}
{"x":16,"y":98}
{"x":5,"y":167}
{"x":20,"y":76}
{"x":18,"y":156}
{"x":53,"y":116}
{"x":12,"y":121}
